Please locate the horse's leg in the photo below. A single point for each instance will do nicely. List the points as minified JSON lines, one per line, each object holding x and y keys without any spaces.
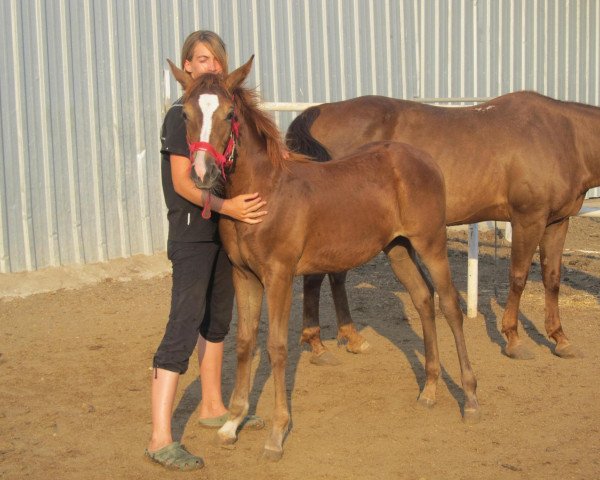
{"x":346,"y":329}
{"x":409,"y":274}
{"x":433,"y":251}
{"x":311,"y":331}
{"x":278,"y":287}
{"x":551,"y":248}
{"x":249,"y":293}
{"x":527,"y":234}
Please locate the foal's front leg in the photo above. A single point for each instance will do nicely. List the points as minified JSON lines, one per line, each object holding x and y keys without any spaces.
{"x":249,"y":293}
{"x":278,"y":288}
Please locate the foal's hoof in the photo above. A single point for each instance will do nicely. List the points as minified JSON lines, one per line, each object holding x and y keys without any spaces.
{"x":518,"y":351}
{"x":325,"y":358}
{"x":471,"y":416}
{"x":567,"y":350}
{"x":426,"y":401}
{"x":364,"y":347}
{"x":224,"y":442}
{"x":272,"y":455}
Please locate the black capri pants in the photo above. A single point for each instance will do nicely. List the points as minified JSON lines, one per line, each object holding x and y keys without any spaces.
{"x":201,"y":301}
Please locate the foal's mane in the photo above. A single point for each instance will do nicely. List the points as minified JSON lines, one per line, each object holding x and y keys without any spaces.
{"x":247,"y":105}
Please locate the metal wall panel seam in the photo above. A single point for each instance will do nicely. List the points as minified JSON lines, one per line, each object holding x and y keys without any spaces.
{"x":157,"y":121}
{"x":177,"y":35}
{"x":402,"y":49}
{"x":236,"y":38}
{"x":20,"y":141}
{"x":4,"y":226}
{"x":118,"y":165}
{"x":475,"y":92}
{"x":420,"y":18}
{"x":450,"y":86}
{"x":511,"y":56}
{"x":140,"y":150}
{"x":535,"y":45}
{"x":597,"y":54}
{"x":96,"y":177}
{"x":256,"y":44}
{"x":256,"y":40}
{"x":500,"y":46}
{"x":577,"y":51}
{"x":587,"y":52}
{"x":567,"y":45}
{"x":358,"y":63}
{"x":523,"y":45}
{"x":326,"y":72}
{"x":488,"y":66}
{"x":546,"y":30}
{"x":309,"y":72}
{"x":292,"y":60}
{"x":74,"y":205}
{"x":373,"y":60}
{"x":388,"y":48}
{"x":216,"y":15}
{"x":341,"y":52}
{"x":556,"y":51}
{"x":49,"y":203}
{"x":436,"y":50}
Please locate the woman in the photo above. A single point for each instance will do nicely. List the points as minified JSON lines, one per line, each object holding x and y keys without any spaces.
{"x":202,"y":294}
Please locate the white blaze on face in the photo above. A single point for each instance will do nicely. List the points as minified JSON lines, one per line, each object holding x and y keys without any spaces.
{"x":208,"y":104}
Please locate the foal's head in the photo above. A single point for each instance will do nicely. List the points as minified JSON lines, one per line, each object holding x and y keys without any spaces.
{"x":212,"y":104}
{"x":211,"y":121}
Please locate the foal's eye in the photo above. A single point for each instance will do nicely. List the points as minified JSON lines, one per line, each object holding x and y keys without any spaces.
{"x":229,"y":116}
{"x":185,"y":117}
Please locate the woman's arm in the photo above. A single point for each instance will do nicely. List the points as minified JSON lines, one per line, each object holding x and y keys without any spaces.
{"x":245,"y":208}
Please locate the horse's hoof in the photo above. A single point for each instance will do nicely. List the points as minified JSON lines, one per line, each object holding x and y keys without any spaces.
{"x":426,"y":402}
{"x":224,"y":442}
{"x":567,"y":350}
{"x":272,"y":455}
{"x":518,"y":352}
{"x":326,"y":358}
{"x":471,"y":416}
{"x":364,"y":347}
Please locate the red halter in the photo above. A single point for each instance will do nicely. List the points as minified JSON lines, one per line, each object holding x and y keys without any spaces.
{"x":224,"y":160}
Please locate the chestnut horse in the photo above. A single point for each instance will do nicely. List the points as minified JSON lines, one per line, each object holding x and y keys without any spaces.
{"x":522,"y":157}
{"x":322,"y":217}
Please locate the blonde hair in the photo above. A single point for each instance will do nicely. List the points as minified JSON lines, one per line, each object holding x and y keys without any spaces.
{"x":211,"y":41}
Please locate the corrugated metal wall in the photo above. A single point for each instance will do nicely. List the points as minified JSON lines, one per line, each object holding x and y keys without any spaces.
{"x":84,"y":85}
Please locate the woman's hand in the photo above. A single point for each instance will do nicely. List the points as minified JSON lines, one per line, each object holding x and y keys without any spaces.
{"x":245,"y":208}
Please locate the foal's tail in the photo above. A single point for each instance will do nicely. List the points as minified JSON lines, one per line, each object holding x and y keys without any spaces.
{"x":299,"y":139}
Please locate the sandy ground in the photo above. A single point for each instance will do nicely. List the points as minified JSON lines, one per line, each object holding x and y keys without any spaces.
{"x":75,"y":376}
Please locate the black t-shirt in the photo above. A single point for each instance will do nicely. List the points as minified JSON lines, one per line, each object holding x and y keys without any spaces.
{"x":185,"y":218}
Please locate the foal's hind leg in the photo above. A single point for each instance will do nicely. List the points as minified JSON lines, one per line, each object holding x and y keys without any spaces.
{"x":249,"y":293}
{"x":409,"y":274}
{"x":551,"y":248}
{"x":433,"y":252}
{"x":311,"y":331}
{"x":346,"y":329}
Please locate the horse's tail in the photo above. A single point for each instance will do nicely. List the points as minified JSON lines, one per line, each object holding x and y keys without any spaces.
{"x":299,"y":139}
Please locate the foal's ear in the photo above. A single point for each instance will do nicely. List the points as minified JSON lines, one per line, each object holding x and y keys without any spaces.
{"x":182,"y":77}
{"x":237,"y":77}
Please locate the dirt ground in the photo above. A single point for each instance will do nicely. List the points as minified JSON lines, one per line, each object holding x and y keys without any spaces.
{"x":75,"y":372}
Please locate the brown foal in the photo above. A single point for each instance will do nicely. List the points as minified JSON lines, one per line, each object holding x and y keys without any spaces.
{"x":323,"y":217}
